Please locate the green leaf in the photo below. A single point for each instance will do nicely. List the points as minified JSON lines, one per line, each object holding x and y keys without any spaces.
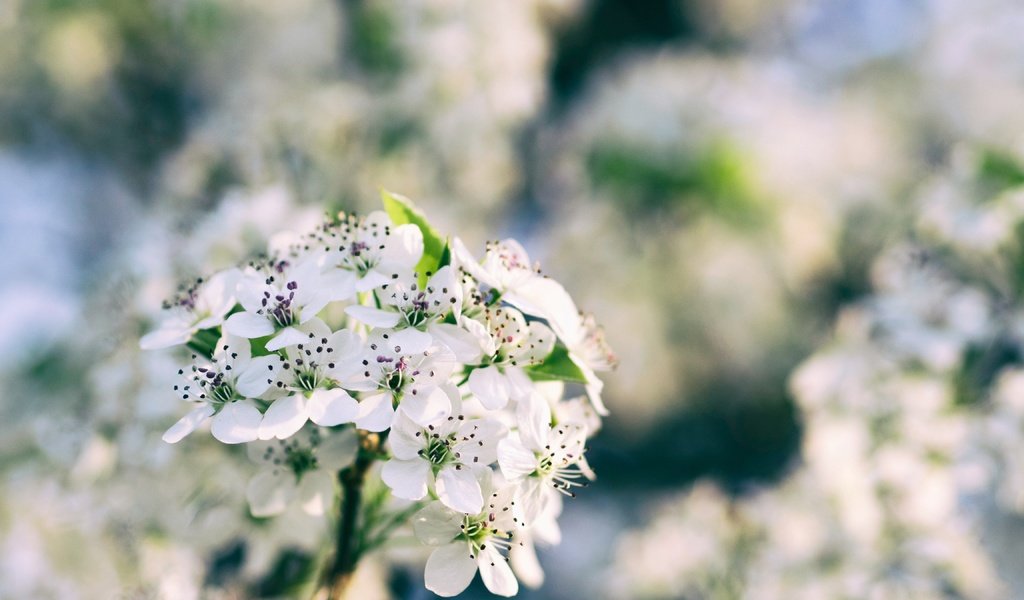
{"x":402,"y":211}
{"x":557,"y":367}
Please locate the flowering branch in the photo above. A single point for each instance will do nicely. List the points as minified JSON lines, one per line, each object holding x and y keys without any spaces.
{"x":377,"y":338}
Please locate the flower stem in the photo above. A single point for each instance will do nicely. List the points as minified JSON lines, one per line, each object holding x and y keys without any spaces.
{"x":338,"y":575}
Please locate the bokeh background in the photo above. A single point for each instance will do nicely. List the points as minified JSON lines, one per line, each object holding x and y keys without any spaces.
{"x":800,"y":222}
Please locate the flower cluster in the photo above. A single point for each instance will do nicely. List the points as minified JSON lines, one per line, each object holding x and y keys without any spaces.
{"x":374,"y":337}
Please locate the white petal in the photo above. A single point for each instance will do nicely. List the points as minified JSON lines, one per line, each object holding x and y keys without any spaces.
{"x":445,"y":287}
{"x":545,"y":297}
{"x":258,"y":376}
{"x":496,"y":574}
{"x":289,"y":336}
{"x":371,"y":280}
{"x":169,"y":334}
{"x":339,"y":284}
{"x":339,"y":450}
{"x":519,"y":384}
{"x":233,"y":350}
{"x":404,"y":441}
{"x":525,"y":564}
{"x":404,"y":247}
{"x":449,"y":570}
{"x":250,"y":291}
{"x":462,"y":343}
{"x":426,"y":406}
{"x":284,"y":417}
{"x":516,"y":461}
{"x":313,"y":305}
{"x":316,"y":492}
{"x":188,"y":423}
{"x":406,"y":478}
{"x":332,"y":407}
{"x":375,"y":413}
{"x":533,"y":415}
{"x":482,"y":335}
{"x":217,"y":295}
{"x":248,"y":325}
{"x":463,"y":258}
{"x":409,"y":341}
{"x":490,"y":387}
{"x":236,"y":423}
{"x":269,"y":492}
{"x":436,"y":525}
{"x":374,"y":317}
{"x":459,"y":490}
{"x":534,"y":495}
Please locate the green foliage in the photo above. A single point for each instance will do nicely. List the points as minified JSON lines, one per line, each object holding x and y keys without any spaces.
{"x":373,"y":39}
{"x":998,"y":171}
{"x":714,"y":180}
{"x":403,"y":211}
{"x":557,"y":367}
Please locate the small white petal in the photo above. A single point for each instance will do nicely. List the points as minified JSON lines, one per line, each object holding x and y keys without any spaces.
{"x":339,"y":284}
{"x":496,"y":574}
{"x":462,"y":343}
{"x":526,"y":565}
{"x":516,"y":461}
{"x":375,"y":413}
{"x":269,"y":492}
{"x":449,"y":569}
{"x":188,"y":423}
{"x":250,"y":291}
{"x":533,"y":415}
{"x":315,"y":493}
{"x":289,"y":336}
{"x":459,"y":490}
{"x":284,"y":417}
{"x":436,"y":525}
{"x":409,"y":341}
{"x":371,"y":280}
{"x":257,"y":377}
{"x":404,"y":441}
{"x":490,"y":387}
{"x":403,"y":248}
{"x":236,"y":423}
{"x":374,"y":317}
{"x":248,"y":325}
{"x":406,"y":478}
{"x":339,"y":450}
{"x":332,"y":407}
{"x":217,"y":295}
{"x":462,"y":257}
{"x":427,"y":406}
{"x":169,"y":334}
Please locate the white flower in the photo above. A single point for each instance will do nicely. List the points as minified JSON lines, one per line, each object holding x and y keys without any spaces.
{"x":300,"y":469}
{"x":221,"y":389}
{"x":277,"y":298}
{"x":542,"y":459}
{"x":398,"y":368}
{"x":447,"y":455}
{"x":306,"y":386}
{"x":505,"y":267}
{"x":470,"y":542}
{"x":509,"y":344}
{"x":359,"y":255}
{"x":422,"y":312}
{"x":200,"y":307}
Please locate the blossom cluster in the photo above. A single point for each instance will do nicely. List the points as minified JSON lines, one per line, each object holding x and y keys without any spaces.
{"x":377,"y":328}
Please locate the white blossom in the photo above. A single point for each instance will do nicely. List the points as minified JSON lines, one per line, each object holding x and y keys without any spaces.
{"x":202,"y":306}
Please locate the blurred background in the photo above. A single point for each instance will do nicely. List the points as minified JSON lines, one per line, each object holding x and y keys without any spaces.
{"x":800,"y":222}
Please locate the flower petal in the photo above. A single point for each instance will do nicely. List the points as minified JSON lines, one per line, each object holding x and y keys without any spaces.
{"x":496,"y":574}
{"x":269,"y":492}
{"x":516,"y":461}
{"x":315,"y":493}
{"x":284,"y":417}
{"x":258,"y":376}
{"x":339,"y":284}
{"x":409,"y":341}
{"x":533,"y":415}
{"x":523,"y":558}
{"x":236,"y":423}
{"x":436,"y":525}
{"x":169,"y":334}
{"x":406,"y":478}
{"x":459,"y":490}
{"x":340,"y":449}
{"x":188,"y":423}
{"x":248,"y":325}
{"x":332,"y":407}
{"x":370,"y":280}
{"x":403,"y":248}
{"x":375,"y":413}
{"x":462,"y":343}
{"x":289,"y":336}
{"x":449,"y":570}
{"x":490,"y":387}
{"x":425,"y":406}
{"x":374,"y":317}
{"x":406,"y":438}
